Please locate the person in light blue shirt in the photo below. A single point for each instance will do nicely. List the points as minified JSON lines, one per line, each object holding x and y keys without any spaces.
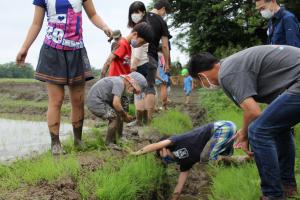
{"x":187,"y":85}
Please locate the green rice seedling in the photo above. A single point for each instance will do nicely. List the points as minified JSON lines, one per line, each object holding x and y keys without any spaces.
{"x":42,"y":168}
{"x":172,"y":122}
{"x":131,"y":109}
{"x":235,"y":183}
{"x":128,"y":179}
{"x":92,"y":138}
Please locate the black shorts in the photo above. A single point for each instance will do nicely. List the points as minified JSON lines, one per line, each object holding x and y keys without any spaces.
{"x":151,"y":75}
{"x":63,"y":67}
{"x":143,"y":69}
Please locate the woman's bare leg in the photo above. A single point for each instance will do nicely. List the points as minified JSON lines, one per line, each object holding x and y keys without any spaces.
{"x":77,"y":102}
{"x":55,"y":100}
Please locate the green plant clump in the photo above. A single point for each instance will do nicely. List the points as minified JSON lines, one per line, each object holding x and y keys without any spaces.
{"x":43,"y":168}
{"x":128,"y":179}
{"x":172,"y":122}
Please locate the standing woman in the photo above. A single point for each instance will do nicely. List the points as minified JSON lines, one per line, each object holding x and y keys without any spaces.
{"x":63,"y":60}
{"x":139,"y":60}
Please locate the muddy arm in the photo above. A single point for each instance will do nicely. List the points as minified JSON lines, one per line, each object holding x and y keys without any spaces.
{"x":107,"y":63}
{"x":153,"y":147}
{"x":180,"y":184}
{"x":95,"y":18}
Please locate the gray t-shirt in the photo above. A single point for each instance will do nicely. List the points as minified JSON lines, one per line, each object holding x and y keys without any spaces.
{"x":261,"y":72}
{"x":106,"y":89}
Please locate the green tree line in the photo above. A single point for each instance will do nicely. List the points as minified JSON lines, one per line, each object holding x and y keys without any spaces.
{"x":11,"y":70}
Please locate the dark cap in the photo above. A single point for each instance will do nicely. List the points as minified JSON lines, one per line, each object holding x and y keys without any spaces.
{"x":116,"y":34}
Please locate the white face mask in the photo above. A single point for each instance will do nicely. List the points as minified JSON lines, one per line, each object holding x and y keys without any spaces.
{"x":267,"y":13}
{"x":137,"y":17}
{"x":211,"y":85}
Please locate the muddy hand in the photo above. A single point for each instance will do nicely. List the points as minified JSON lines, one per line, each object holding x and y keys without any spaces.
{"x":108,"y":31}
{"x":20,"y":60}
{"x":131,"y":118}
{"x":241,"y":142}
{"x":128,"y":118}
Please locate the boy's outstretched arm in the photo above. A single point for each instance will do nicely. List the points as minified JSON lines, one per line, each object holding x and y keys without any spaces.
{"x":180,"y":183}
{"x":153,"y":147}
{"x":106,"y":65}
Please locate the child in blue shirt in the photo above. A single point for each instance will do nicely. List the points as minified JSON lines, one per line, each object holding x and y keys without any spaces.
{"x":162,"y":79}
{"x":187,"y":85}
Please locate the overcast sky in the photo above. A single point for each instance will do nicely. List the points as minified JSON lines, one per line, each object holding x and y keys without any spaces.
{"x":16,"y":18}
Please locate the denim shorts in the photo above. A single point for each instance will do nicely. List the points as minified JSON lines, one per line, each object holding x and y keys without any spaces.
{"x":188,"y":93}
{"x":63,"y":67}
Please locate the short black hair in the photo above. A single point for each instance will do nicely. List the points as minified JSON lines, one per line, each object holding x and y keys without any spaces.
{"x":144,"y":31}
{"x":135,"y":7}
{"x":201,"y":62}
{"x":159,"y":4}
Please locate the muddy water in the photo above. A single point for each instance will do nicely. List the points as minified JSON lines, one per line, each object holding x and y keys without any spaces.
{"x":24,"y":138}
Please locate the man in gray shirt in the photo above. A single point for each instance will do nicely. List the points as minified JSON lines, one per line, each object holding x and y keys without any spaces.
{"x":105,"y":101}
{"x":263,"y":74}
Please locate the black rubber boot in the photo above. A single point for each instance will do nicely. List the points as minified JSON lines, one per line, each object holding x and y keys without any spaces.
{"x":78,"y":136}
{"x":120,"y":128}
{"x":139,"y":117}
{"x":56,"y":148}
{"x":145,"y":117}
{"x":112,"y":128}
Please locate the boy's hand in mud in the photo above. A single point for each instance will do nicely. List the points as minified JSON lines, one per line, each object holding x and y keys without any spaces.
{"x":20,"y":60}
{"x":242,"y":142}
{"x":128,"y":118}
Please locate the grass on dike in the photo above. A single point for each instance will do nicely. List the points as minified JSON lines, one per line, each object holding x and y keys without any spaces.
{"x":9,"y":105}
{"x":17,"y":80}
{"x":234,"y":183}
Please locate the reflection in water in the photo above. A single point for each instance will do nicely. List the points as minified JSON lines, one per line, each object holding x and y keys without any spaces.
{"x":22,"y":138}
